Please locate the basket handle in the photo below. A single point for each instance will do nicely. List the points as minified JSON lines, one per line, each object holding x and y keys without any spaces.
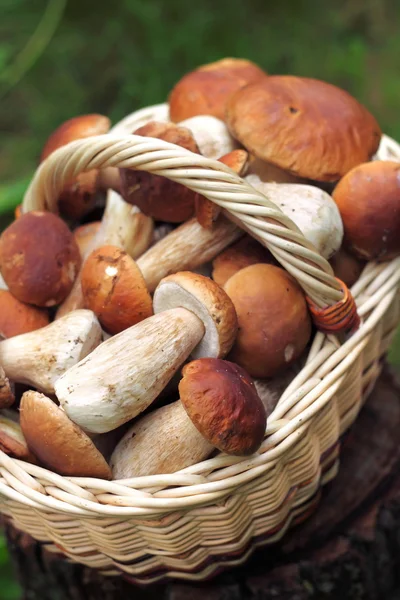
{"x":240,"y":202}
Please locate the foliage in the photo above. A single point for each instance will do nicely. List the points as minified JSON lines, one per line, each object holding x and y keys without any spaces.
{"x":114,"y":57}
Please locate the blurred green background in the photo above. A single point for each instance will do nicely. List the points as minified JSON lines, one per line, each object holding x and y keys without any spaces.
{"x":60,"y":58}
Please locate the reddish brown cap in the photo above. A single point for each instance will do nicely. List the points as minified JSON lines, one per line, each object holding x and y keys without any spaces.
{"x":114,"y":289}
{"x":206,"y":90}
{"x":207,"y":212}
{"x":17,"y":317}
{"x":221,"y":400}
{"x":274,"y":323}
{"x":12,"y":440}
{"x":368,"y":199}
{"x":39,"y":258}
{"x":58,"y":443}
{"x":247,"y":251}
{"x":157,"y":196}
{"x":346,"y":266}
{"x":308,"y":127}
{"x":77,"y":198}
{"x":85,"y":234}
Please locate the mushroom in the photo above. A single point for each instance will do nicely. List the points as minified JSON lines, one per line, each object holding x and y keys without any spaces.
{"x":12,"y":440}
{"x":218,"y":408}
{"x":39,"y":258}
{"x":40,"y":357}
{"x":17,"y":317}
{"x":7,"y":397}
{"x":185,"y":249}
{"x":114,"y":289}
{"x":310,"y":208}
{"x":84,"y":236}
{"x":123,"y":376}
{"x":58,"y":442}
{"x":368,"y":198}
{"x":307,"y":127}
{"x":156,"y":196}
{"x":211,"y":135}
{"x":274,"y":323}
{"x":78,"y":197}
{"x":207,"y":89}
{"x":247,"y":251}
{"x":346,"y":266}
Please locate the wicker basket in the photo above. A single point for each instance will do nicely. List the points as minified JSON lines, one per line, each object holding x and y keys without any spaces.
{"x":193,"y":523}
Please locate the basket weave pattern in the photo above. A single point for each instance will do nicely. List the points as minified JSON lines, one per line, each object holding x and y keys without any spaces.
{"x":192,"y":523}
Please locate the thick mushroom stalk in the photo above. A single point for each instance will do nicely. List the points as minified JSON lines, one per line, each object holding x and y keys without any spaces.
{"x":218,"y":408}
{"x":40,"y":357}
{"x":123,"y":376}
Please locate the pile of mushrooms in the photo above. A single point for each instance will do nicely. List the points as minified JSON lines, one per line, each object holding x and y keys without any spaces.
{"x":141,"y":330}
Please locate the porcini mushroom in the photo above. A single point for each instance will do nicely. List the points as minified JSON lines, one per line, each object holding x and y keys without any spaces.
{"x":274,"y":323}
{"x":310,"y":208}
{"x":368,"y":198}
{"x":12,"y":440}
{"x":218,"y":408}
{"x":39,"y":258}
{"x":58,"y":442}
{"x":17,"y":317}
{"x":40,"y":357}
{"x":307,"y":127}
{"x":79,"y":196}
{"x":156,"y":196}
{"x":123,"y":376}
{"x":206,"y":90}
{"x":114,"y":289}
{"x":247,"y":251}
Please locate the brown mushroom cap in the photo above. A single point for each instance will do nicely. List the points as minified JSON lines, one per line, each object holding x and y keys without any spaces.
{"x":274,"y":323}
{"x":368,"y":199}
{"x":114,"y":289}
{"x":57,"y":441}
{"x":85,"y":234}
{"x":17,"y":317}
{"x":156,"y":196}
{"x":39,"y":258}
{"x":77,"y":197}
{"x":12,"y":440}
{"x":308,"y":127}
{"x":346,"y":266}
{"x":208,"y":302}
{"x":247,"y":251}
{"x":206,"y":90}
{"x":222,"y":402}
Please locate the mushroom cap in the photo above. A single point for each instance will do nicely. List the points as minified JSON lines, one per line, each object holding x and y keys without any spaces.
{"x":114,"y":289}
{"x":12,"y":440}
{"x":243,"y":253}
{"x":308,"y":127}
{"x":346,"y":266}
{"x":39,"y":258}
{"x":221,"y":400}
{"x":208,"y":301}
{"x":156,"y":196}
{"x":274,"y":323}
{"x":368,"y":198}
{"x":78,"y":196}
{"x":85,"y":234}
{"x":57,"y":441}
{"x":17,"y":317}
{"x":206,"y":90}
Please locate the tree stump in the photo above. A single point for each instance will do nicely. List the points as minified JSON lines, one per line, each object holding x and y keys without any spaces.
{"x":349,"y":549}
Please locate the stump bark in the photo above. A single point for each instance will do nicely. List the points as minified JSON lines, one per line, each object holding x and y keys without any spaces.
{"x":348,"y":550}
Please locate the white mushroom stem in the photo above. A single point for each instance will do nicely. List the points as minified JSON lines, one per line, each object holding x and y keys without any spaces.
{"x":211,"y":135}
{"x":185,"y":249}
{"x":163,"y":441}
{"x":124,"y":226}
{"x":40,"y":357}
{"x":123,"y":376}
{"x":313,"y":211}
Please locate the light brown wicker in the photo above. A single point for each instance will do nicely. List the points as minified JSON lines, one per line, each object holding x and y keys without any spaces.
{"x":193,"y":523}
